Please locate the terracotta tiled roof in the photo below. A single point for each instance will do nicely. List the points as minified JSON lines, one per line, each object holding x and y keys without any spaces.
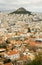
{"x":32,"y":43}
{"x":25,"y":57}
{"x":8,"y":63}
{"x":15,"y":51}
{"x":26,"y":41}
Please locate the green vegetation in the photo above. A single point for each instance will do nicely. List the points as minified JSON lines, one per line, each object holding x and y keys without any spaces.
{"x":7,"y":41}
{"x":21,"y":12}
{"x":37,"y":61}
{"x":6,"y":61}
{"x":3,"y":45}
{"x":29,"y":30}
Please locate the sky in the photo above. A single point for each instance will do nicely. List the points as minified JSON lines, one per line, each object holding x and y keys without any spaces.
{"x":32,"y":5}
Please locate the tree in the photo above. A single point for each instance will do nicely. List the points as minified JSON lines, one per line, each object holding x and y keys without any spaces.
{"x":37,"y":61}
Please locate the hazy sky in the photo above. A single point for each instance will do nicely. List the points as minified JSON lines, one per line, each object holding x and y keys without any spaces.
{"x":32,"y":5}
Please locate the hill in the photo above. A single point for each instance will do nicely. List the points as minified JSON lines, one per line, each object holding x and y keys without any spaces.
{"x":21,"y":11}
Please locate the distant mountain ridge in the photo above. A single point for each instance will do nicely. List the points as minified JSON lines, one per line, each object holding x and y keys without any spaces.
{"x":21,"y":11}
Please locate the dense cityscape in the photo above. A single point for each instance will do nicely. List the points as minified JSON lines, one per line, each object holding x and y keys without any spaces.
{"x":20,"y":38}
